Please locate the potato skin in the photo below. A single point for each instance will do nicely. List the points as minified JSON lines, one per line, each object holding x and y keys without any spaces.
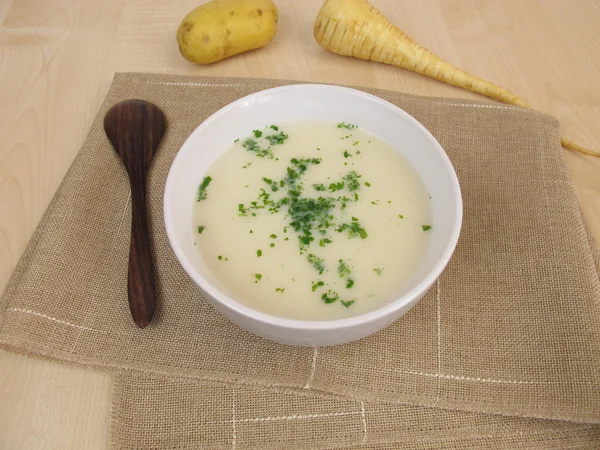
{"x":222,"y":28}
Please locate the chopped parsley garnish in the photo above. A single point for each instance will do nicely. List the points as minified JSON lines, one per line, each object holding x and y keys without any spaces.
{"x":367,"y":184}
{"x":247,"y":165}
{"x":324,"y":242}
{"x":426,"y":227}
{"x":277,"y":139}
{"x":252,"y":146}
{"x":313,"y":219}
{"x":378,"y":271}
{"x":317,"y":263}
{"x":343,"y":268}
{"x":202,"y":188}
{"x":330,"y":296}
{"x":201,"y":229}
{"x":375,"y":202}
{"x":222,"y":258}
{"x":336,"y":186}
{"x":354,"y":229}
{"x":352,"y":181}
{"x":401,"y":216}
{"x":236,"y":141}
{"x":317,"y":285}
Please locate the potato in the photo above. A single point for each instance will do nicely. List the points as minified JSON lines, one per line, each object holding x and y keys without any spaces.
{"x":222,"y":28}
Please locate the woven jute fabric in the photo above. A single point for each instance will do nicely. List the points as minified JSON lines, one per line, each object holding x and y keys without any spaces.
{"x":503,"y":352}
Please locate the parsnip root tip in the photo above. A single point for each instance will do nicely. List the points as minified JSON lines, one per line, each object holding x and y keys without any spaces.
{"x":568,"y":144}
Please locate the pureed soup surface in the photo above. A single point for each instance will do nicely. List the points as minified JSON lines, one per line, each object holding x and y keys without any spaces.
{"x":312,"y":220}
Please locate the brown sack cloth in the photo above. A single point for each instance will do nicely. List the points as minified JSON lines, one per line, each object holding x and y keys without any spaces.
{"x":512,"y":327}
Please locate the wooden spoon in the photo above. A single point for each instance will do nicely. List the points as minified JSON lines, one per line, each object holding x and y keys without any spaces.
{"x":135,"y":128}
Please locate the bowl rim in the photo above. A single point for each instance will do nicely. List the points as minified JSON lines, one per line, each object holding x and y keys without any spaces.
{"x":309,"y":325}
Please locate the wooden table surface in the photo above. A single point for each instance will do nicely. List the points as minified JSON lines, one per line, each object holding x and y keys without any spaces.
{"x":57,"y":60}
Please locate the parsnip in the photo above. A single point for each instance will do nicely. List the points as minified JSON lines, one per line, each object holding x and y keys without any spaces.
{"x":356,"y":28}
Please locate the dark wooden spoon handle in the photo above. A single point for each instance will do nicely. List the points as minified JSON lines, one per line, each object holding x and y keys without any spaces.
{"x":141,"y":286}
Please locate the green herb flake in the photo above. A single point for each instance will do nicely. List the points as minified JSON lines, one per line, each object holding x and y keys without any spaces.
{"x":251,"y":231}
{"x":347,"y":126}
{"x":272,"y":244}
{"x":347,"y":303}
{"x":247,"y":165}
{"x":375,"y":202}
{"x":258,"y":253}
{"x":317,"y":285}
{"x":222,"y":258}
{"x":343,"y":268}
{"x":242,"y":210}
{"x":356,"y":143}
{"x":273,"y":236}
{"x":317,"y":263}
{"x":274,"y":127}
{"x":319,"y":187}
{"x":257,"y":133}
{"x":258,"y":276}
{"x":330,"y":297}
{"x":236,"y":141}
{"x":354,"y":229}
{"x":367,"y":184}
{"x":352,"y":182}
{"x":277,"y":139}
{"x":280,"y":290}
{"x":201,"y":229}
{"x":324,"y":242}
{"x":347,"y":154}
{"x":349,"y":283}
{"x":267,"y":180}
{"x":378,"y":271}
{"x":333,"y":187}
{"x":202,"y":189}
{"x":252,"y":146}
{"x":426,"y":227}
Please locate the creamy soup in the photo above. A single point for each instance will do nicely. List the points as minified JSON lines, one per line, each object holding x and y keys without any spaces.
{"x":312,"y":220}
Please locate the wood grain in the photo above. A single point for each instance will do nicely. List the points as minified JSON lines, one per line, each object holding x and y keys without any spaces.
{"x":135,"y":128}
{"x":57,"y":60}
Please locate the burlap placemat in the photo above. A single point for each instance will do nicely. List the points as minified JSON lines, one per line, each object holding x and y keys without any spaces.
{"x":510,"y":329}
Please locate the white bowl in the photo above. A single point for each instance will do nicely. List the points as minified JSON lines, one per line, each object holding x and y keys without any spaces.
{"x":312,"y":102}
